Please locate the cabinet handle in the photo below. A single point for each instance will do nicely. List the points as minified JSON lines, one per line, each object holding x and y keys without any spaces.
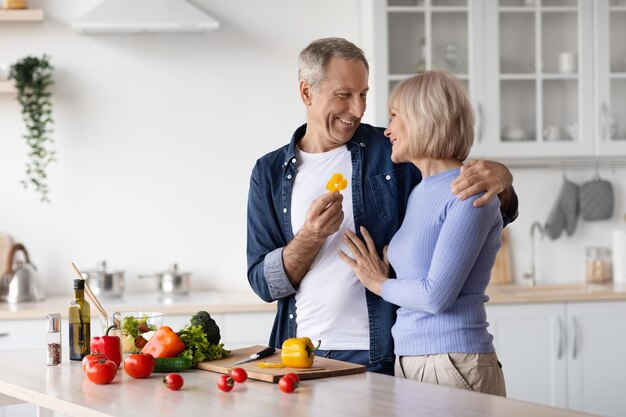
{"x":479,"y":122}
{"x":559,"y":333}
{"x":4,"y":334}
{"x":604,"y":119}
{"x":574,"y":338}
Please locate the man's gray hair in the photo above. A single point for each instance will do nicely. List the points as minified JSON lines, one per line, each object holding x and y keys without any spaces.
{"x":314,"y":58}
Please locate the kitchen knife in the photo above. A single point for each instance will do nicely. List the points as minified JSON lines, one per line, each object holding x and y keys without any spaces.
{"x":262,"y":354}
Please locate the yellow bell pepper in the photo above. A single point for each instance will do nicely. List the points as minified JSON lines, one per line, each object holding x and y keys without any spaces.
{"x":270,"y":365}
{"x":337,"y":183}
{"x":297,"y":352}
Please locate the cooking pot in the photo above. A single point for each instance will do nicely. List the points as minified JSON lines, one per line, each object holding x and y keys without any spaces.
{"x":172,"y":282}
{"x":20,"y":282}
{"x":104,"y":282}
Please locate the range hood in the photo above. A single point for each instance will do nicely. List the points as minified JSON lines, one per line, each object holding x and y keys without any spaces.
{"x":145,"y":16}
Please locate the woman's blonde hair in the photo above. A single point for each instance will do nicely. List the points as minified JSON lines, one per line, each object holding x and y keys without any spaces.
{"x":438,"y":115}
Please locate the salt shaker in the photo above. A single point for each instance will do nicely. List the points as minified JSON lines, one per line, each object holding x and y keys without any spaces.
{"x":53,"y":339}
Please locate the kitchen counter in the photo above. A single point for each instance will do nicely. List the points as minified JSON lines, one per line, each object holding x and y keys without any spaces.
{"x":247,"y":301}
{"x":516,"y":294}
{"x":211,"y":301}
{"x":64,"y":389}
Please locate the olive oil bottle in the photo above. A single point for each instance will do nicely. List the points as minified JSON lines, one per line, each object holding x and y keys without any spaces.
{"x":79,"y":318}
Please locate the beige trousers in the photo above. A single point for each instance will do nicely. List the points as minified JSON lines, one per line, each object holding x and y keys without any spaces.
{"x":480,"y":372}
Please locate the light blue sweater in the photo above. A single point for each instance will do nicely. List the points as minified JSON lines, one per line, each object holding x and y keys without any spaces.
{"x":442,"y":254}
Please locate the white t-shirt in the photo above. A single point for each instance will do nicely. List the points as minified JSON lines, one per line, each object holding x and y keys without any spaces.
{"x":330,"y":301}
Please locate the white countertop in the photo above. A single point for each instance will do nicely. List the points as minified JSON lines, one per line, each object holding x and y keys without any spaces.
{"x":64,"y":389}
{"x":211,"y":301}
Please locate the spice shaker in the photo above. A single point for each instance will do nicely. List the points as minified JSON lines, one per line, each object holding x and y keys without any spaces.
{"x":53,"y":339}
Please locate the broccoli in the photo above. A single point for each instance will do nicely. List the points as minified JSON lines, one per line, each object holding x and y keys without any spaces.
{"x":209,"y":327}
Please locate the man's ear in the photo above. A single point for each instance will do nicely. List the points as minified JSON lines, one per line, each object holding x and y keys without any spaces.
{"x":305,"y":92}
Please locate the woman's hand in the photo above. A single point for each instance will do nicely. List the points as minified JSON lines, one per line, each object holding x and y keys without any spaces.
{"x":367,"y":265}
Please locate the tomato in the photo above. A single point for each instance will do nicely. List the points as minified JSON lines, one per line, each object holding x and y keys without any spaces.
{"x":295,"y":377}
{"x":287,"y":384}
{"x":239,"y":374}
{"x":225,"y":383}
{"x":91,"y":358}
{"x":173,"y":381}
{"x":101,"y":371}
{"x":139,"y":365}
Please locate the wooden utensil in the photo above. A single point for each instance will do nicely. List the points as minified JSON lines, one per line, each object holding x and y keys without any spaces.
{"x":501,"y":271}
{"x":322,"y":367}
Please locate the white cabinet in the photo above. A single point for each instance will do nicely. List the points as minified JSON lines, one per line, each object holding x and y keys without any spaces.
{"x":547,"y":78}
{"x":419,"y":35}
{"x":17,"y":335}
{"x":610,"y":81}
{"x":539,"y":79}
{"x":563,"y":354}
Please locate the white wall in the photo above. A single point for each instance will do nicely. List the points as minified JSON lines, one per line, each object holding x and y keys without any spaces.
{"x":561,"y":260}
{"x":156,"y":136}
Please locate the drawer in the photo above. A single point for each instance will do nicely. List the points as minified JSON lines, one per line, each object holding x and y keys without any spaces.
{"x":23,"y":334}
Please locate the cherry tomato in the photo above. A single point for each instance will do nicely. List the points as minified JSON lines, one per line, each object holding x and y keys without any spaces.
{"x":295,"y":377}
{"x":173,"y":381}
{"x":139,"y":365}
{"x":225,"y":383}
{"x":239,"y":374}
{"x":101,"y":371}
{"x":287,"y":384}
{"x":91,"y":358}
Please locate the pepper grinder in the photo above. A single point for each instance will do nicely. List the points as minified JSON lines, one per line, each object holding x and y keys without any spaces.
{"x":53,"y":339}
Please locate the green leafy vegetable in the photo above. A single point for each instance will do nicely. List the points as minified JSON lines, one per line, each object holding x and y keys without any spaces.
{"x":198,"y":349}
{"x":132,"y":328}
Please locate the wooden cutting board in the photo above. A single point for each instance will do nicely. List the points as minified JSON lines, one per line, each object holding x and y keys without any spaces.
{"x":322,"y":367}
{"x":5,"y":247}
{"x":501,"y":271}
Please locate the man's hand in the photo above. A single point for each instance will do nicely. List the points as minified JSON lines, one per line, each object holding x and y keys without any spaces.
{"x":324,"y":217}
{"x":489,"y":176}
{"x":322,"y":220}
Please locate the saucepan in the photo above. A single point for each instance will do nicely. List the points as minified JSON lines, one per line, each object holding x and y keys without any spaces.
{"x":104,"y":282}
{"x":172,"y":281}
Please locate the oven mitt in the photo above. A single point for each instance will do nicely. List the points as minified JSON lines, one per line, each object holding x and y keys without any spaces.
{"x":564,"y":213}
{"x":596,"y":200}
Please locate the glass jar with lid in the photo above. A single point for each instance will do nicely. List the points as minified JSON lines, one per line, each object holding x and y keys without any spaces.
{"x":598,"y":265}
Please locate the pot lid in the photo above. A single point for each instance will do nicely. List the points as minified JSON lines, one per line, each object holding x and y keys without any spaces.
{"x":173,"y":270}
{"x":101,"y":268}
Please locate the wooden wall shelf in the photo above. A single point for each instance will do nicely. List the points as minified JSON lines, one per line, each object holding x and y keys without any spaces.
{"x":25,"y":15}
{"x":7,"y":87}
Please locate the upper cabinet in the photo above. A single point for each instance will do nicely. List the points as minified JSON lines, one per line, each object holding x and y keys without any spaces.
{"x":539,"y":85}
{"x":610,"y":82}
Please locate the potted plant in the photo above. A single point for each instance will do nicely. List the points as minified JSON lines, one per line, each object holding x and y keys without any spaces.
{"x":33,"y":79}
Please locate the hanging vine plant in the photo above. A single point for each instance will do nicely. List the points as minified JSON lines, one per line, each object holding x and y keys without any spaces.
{"x":33,"y":79}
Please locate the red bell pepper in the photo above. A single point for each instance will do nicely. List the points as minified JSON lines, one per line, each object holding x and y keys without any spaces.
{"x":108,"y":346}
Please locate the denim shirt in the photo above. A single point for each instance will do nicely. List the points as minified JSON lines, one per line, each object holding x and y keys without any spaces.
{"x":380,"y":190}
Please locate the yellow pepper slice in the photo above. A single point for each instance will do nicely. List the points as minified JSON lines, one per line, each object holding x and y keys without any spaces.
{"x":337,"y":183}
{"x":297,"y":352}
{"x":270,"y":365}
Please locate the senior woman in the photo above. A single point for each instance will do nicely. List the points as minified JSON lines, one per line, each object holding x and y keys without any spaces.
{"x":443,"y":252}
